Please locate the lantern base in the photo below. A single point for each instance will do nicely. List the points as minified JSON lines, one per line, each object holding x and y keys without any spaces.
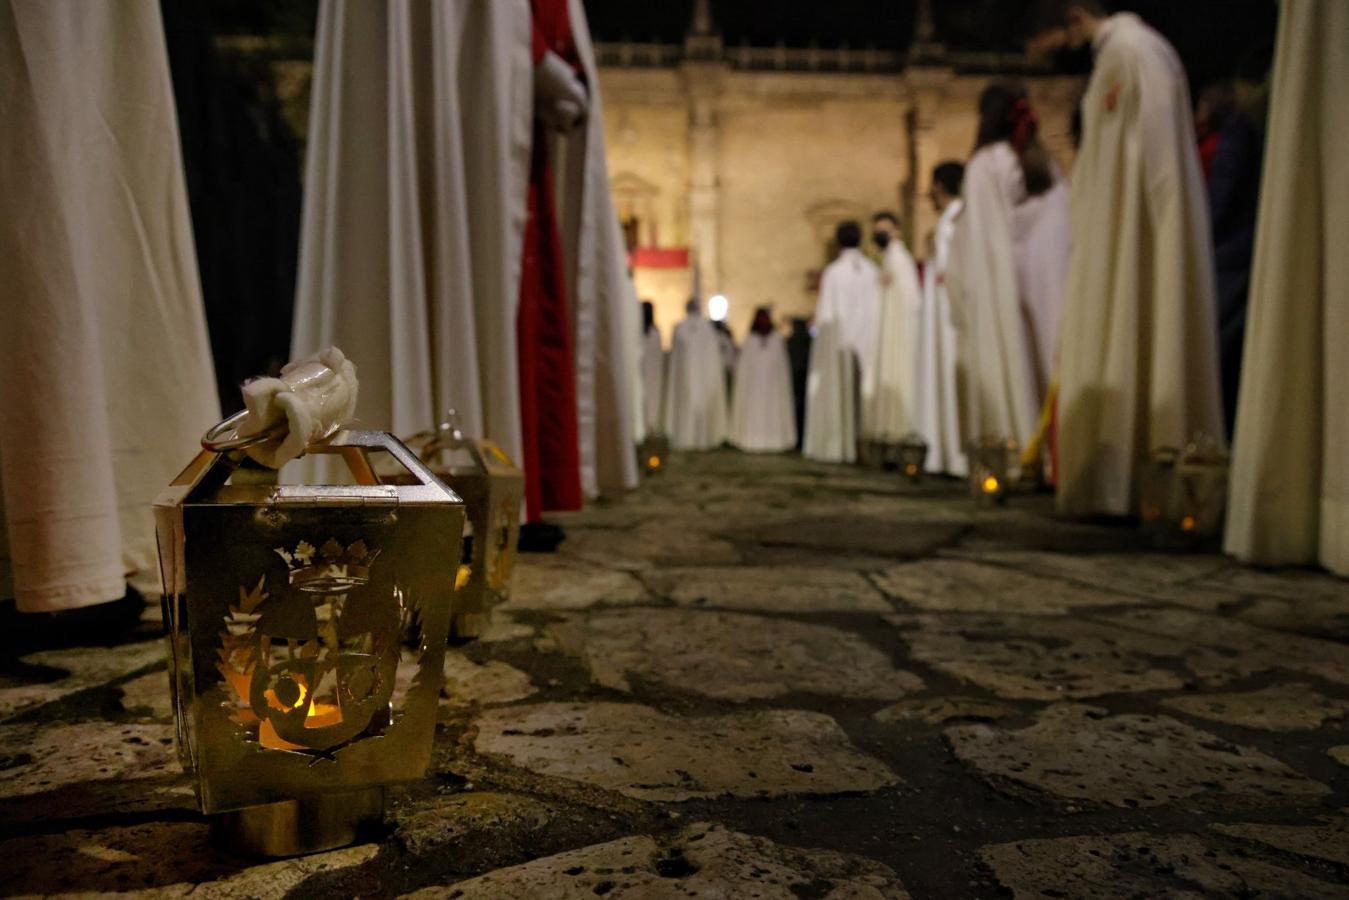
{"x":300,"y":826}
{"x":467,"y":626}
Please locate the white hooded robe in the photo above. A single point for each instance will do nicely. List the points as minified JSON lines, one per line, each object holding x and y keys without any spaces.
{"x":653,"y":379}
{"x":1138,"y":357}
{"x":414,"y":204}
{"x":1001,"y":400}
{"x":695,"y":389}
{"x":939,"y":418}
{"x":842,"y":356}
{"x":106,"y":381}
{"x":763,"y":417}
{"x":894,"y":402}
{"x":1289,"y":498}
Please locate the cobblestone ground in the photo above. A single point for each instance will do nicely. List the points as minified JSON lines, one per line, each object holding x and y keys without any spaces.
{"x":766,"y":678}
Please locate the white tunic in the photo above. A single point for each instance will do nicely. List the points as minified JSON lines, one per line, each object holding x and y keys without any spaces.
{"x":653,"y":379}
{"x":846,"y":320}
{"x":763,"y":417}
{"x":106,"y":382}
{"x":695,"y":389}
{"x":893,"y":412}
{"x":939,"y":418}
{"x":1043,"y":237}
{"x":1289,"y":499}
{"x":603,"y":299}
{"x":981,"y":278}
{"x":414,"y":206}
{"x":1138,"y":343}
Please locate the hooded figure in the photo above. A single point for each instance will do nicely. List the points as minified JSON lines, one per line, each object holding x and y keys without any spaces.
{"x":695,"y":392}
{"x":762,"y":417}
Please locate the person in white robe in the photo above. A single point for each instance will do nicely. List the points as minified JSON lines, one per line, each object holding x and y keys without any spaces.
{"x":763,"y":419}
{"x":600,"y":289}
{"x":653,"y":370}
{"x":695,"y":389}
{"x":420,"y":130}
{"x":415,"y":199}
{"x":1009,"y":168}
{"x":938,"y":410}
{"x":843,"y":355}
{"x":106,"y":380}
{"x":1138,"y":359}
{"x":1042,"y":239}
{"x":1289,"y":497}
{"x":893,"y":413}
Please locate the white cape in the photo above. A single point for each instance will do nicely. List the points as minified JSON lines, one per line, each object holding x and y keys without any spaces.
{"x":981,"y":277}
{"x":1043,"y":238}
{"x":1289,"y":500}
{"x":763,"y":417}
{"x":1138,"y":357}
{"x":842,"y":356}
{"x":106,"y":382}
{"x":695,"y":389}
{"x":894,"y":401}
{"x":939,"y":418}
{"x":653,"y":379}
{"x":414,"y":205}
{"x":604,"y":304}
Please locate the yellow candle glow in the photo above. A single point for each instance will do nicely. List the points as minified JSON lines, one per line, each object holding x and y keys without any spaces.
{"x":991,"y":485}
{"x":653,"y":462}
{"x":1187,"y":523}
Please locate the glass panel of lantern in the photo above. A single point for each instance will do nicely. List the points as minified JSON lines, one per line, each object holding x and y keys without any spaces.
{"x":1158,"y":491}
{"x":295,"y":697}
{"x":991,"y":461}
{"x":479,"y":471}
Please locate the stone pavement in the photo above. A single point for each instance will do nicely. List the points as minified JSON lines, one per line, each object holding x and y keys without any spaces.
{"x":759,"y":677}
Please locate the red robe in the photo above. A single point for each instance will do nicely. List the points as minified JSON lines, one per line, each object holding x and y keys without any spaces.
{"x":547,"y":362}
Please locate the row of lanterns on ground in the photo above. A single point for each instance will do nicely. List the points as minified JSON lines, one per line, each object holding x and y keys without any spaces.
{"x":307,"y":623}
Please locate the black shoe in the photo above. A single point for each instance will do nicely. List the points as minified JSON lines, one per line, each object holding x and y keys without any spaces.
{"x":101,"y":624}
{"x":540,"y":537}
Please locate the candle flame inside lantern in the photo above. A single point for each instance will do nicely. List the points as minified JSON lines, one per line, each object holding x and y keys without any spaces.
{"x":653,"y":462}
{"x":910,"y":469}
{"x":991,"y":484}
{"x":1187,"y":523}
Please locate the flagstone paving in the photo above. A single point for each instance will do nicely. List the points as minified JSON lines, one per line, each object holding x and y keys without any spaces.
{"x":765,"y":677}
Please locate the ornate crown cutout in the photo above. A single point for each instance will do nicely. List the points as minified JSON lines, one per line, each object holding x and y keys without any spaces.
{"x":331,"y":569}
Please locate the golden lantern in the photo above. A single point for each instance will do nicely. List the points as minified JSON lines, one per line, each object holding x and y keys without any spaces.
{"x":653,"y":454}
{"x":492,"y":487}
{"x":990,"y":460}
{"x":911,"y":455}
{"x":1183,"y":494}
{"x":295,"y":697}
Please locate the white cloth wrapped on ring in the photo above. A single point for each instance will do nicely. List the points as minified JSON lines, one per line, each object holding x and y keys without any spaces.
{"x":312,"y":399}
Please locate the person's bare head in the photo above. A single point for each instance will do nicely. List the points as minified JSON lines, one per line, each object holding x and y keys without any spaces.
{"x":1081,"y":20}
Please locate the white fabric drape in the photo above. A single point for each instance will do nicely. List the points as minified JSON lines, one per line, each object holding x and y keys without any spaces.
{"x":939,"y":420}
{"x":603,"y":300}
{"x":847,"y":319}
{"x":653,"y":379}
{"x":1289,"y":501}
{"x":1138,"y":361}
{"x":981,"y":279}
{"x":1042,"y":240}
{"x":695,"y":388}
{"x":893,"y":412}
{"x":106,"y":382}
{"x":763,"y":417}
{"x":414,"y":205}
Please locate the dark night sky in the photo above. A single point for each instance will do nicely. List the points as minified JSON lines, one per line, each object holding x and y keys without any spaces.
{"x":1212,"y":36}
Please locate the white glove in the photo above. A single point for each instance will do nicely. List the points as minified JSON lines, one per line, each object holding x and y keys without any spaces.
{"x":560,"y":98}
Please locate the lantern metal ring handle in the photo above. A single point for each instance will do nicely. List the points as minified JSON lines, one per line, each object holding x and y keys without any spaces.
{"x":218,"y":438}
